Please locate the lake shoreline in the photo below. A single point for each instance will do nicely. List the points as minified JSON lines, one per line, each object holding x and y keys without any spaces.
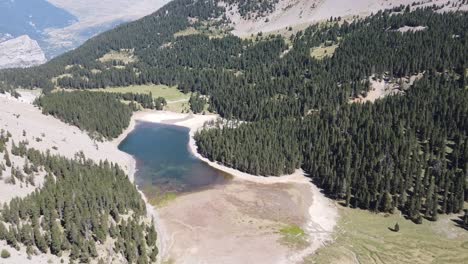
{"x":150,"y":209}
{"x":322,"y":212}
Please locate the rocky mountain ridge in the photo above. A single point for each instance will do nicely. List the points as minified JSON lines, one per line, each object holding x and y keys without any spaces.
{"x":21,"y":52}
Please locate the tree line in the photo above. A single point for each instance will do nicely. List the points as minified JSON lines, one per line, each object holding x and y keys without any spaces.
{"x":97,"y":113}
{"x":101,"y":114}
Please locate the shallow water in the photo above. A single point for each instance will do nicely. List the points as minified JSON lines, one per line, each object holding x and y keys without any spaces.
{"x":164,"y":161}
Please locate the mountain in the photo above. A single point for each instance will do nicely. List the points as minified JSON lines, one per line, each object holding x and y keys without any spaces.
{"x":94,"y":17}
{"x":279,"y":14}
{"x":23,"y":25}
{"x":61,"y":25}
{"x":20,"y":52}
{"x":32,"y":18}
{"x":177,"y":21}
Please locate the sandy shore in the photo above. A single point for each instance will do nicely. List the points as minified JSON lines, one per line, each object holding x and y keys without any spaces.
{"x":205,"y":238}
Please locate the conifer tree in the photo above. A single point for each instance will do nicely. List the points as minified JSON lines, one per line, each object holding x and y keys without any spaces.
{"x":55,"y":239}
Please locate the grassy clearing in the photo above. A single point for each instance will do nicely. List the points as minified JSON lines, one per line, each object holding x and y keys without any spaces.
{"x":363,"y":237}
{"x":169,"y":93}
{"x":125,"y":56}
{"x":322,"y":52}
{"x":55,"y":79}
{"x":294,"y":237}
{"x":187,"y":32}
{"x":178,"y":106}
{"x":206,"y":28}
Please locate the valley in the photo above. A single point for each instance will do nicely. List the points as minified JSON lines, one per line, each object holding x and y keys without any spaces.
{"x":61,"y":25}
{"x":233,"y":131}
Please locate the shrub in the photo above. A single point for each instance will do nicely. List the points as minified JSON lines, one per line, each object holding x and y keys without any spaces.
{"x":5,"y":254}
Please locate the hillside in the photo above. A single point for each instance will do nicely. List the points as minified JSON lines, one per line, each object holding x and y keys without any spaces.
{"x":404,"y":152}
{"x":94,"y":17}
{"x":60,"y":25}
{"x":148,"y":37}
{"x":300,"y":13}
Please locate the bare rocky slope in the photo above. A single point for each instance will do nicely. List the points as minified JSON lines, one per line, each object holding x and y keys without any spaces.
{"x":20,"y":52}
{"x":35,"y":32}
{"x":291,"y":13}
{"x":95,"y":17}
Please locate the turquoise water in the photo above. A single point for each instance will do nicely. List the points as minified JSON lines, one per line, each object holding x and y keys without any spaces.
{"x":164,"y":162}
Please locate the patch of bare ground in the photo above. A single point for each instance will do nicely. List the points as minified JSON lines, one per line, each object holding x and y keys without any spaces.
{"x":238,"y":222}
{"x":248,"y":220}
{"x":380,"y":88}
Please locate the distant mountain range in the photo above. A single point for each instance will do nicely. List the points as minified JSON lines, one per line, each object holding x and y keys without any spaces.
{"x":32,"y":18}
{"x":57,"y":26}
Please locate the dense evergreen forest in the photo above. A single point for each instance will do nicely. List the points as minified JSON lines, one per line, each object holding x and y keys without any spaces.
{"x":408,"y":151}
{"x":89,"y":111}
{"x":80,"y":206}
{"x":101,"y":114}
{"x":267,"y":77}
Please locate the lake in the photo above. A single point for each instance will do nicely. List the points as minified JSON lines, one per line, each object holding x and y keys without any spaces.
{"x":164,"y":162}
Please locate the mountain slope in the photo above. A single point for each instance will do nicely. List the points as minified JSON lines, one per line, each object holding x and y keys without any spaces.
{"x":94,"y":17}
{"x":405,"y":152}
{"x":61,"y":25}
{"x":286,"y":13}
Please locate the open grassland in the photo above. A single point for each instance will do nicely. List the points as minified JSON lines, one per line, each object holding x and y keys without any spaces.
{"x":171,"y":94}
{"x":364,"y":237}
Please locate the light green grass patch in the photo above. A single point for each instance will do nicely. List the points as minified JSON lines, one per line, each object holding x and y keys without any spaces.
{"x":167,"y":92}
{"x":207,"y":28}
{"x":323,"y":51}
{"x":125,"y":55}
{"x":178,"y":107}
{"x":364,"y":237}
{"x":294,"y":237}
{"x":187,"y":32}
